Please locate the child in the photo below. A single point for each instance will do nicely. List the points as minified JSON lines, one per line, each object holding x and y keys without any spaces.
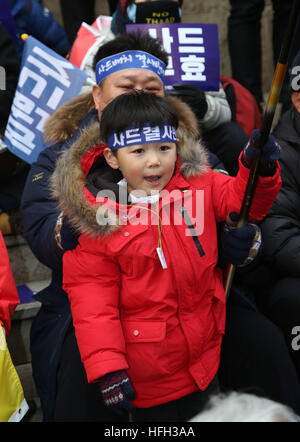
{"x":146,"y":294}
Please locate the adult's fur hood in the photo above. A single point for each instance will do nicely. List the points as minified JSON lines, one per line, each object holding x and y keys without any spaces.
{"x":69,"y":179}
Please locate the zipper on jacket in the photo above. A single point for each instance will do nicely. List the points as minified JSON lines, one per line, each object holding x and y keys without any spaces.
{"x":190,"y":225}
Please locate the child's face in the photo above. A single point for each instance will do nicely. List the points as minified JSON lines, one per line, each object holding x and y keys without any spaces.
{"x":147,"y":167}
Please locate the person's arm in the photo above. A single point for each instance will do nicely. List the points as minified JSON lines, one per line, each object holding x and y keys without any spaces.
{"x":211,"y":108}
{"x":281,"y":228}
{"x":218,"y":109}
{"x":91,"y":278}
{"x":228,"y":192}
{"x":41,"y":215}
{"x":9,"y":298}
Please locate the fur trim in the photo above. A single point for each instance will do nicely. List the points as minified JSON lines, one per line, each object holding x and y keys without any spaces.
{"x":67,"y":184}
{"x":65,"y":120}
{"x":68,"y":179}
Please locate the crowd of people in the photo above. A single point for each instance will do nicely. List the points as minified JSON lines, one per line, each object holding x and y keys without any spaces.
{"x":134,"y":324}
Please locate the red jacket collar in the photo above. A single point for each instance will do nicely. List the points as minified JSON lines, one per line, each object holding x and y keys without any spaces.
{"x":91,"y":156}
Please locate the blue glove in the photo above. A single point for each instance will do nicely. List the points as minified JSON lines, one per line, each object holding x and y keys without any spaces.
{"x":270,"y":153}
{"x":117,"y":391}
{"x":241,"y":245}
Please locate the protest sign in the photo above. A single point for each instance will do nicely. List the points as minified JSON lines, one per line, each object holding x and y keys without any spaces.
{"x":46,"y":81}
{"x":193,"y":50}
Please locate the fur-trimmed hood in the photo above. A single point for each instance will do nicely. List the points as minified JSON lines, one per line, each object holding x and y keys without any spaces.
{"x":69,"y":181}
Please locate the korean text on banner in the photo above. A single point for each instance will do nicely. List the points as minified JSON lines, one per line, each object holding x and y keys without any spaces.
{"x":193,"y":49}
{"x":46,"y":81}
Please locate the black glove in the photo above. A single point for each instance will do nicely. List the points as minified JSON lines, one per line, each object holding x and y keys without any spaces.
{"x":241,"y":245}
{"x":193,"y":96}
{"x":117,"y":391}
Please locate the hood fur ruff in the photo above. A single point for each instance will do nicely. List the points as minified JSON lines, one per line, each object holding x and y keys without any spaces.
{"x":68,"y":179}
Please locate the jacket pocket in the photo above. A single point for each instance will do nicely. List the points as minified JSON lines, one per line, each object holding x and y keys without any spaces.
{"x":147,"y":350}
{"x":144,"y":331}
{"x":133,"y":241}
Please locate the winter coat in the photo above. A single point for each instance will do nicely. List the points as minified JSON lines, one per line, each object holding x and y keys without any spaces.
{"x":9,"y":298}
{"x":281,"y":229}
{"x":164,"y":326}
{"x":32,"y":18}
{"x":39,"y":215}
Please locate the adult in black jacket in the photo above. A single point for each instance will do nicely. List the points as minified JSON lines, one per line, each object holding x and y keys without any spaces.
{"x":281,"y":229}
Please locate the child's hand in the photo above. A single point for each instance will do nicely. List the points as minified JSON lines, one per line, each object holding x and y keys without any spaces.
{"x":117,"y":391}
{"x":241,"y":245}
{"x":270,"y":153}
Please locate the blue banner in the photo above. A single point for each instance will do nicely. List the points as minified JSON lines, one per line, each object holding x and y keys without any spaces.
{"x":193,"y":49}
{"x":46,"y":81}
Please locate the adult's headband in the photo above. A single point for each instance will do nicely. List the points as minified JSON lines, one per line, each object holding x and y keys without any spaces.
{"x":130,"y":60}
{"x":134,"y":135}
